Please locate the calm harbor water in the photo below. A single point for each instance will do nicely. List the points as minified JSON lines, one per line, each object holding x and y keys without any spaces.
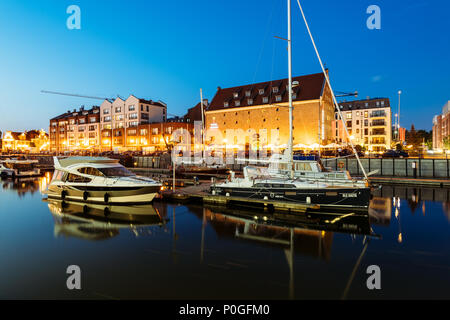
{"x":165,"y":251}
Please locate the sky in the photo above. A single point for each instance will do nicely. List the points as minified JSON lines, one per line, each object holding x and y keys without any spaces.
{"x":168,"y":50}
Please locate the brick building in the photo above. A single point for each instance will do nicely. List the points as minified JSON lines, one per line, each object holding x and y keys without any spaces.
{"x":258,"y":113}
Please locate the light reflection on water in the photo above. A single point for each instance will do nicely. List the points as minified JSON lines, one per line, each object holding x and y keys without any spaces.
{"x":193,"y":251}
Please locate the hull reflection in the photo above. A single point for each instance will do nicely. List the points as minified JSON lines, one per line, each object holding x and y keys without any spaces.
{"x":311,"y":233}
{"x":97,"y":222}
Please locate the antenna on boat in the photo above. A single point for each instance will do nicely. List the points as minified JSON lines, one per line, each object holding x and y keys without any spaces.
{"x":290,"y":145}
{"x":331,"y":89}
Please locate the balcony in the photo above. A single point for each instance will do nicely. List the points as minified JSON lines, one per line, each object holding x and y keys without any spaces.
{"x":377,"y":123}
{"x":378,"y":132}
{"x":376,"y":114}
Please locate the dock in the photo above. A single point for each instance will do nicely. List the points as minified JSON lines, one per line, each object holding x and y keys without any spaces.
{"x":419,"y":182}
{"x":201,"y":193}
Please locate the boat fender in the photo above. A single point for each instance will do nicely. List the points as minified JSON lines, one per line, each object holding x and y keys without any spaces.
{"x":85,"y":195}
{"x":106,"y":197}
{"x":106,"y":211}
{"x":63,"y":194}
{"x":85,"y":209}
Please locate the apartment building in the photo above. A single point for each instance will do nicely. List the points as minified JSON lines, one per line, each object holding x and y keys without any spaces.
{"x":259,"y":113}
{"x":441,"y":128}
{"x":118,"y":117}
{"x":121,"y":125}
{"x":369,"y":124}
{"x":76,"y":130}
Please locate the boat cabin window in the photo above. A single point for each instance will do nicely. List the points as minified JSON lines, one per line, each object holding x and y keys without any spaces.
{"x":90,"y":171}
{"x":303,"y":166}
{"x":76,"y":178}
{"x":116,"y":172}
{"x":58,"y":175}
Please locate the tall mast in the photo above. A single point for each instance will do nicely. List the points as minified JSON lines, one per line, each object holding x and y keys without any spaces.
{"x":290,"y":145}
{"x":203,"y":125}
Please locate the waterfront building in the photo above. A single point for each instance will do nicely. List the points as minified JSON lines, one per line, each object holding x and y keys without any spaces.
{"x":119,"y":125}
{"x":258,"y":113}
{"x":28,"y":141}
{"x":369,"y":124}
{"x":441,"y":128}
{"x":119,"y":117}
{"x":76,"y":130}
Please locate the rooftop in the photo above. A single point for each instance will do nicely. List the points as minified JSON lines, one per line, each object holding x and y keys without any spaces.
{"x":270,"y":92}
{"x":365,"y":104}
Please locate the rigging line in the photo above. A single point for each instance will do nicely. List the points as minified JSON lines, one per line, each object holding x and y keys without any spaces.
{"x":269,"y":22}
{"x":331,"y":89}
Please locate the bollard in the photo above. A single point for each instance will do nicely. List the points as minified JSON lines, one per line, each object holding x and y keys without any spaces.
{"x":414,"y":166}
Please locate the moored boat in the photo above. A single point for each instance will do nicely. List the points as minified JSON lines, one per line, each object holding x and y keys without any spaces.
{"x":99,"y":180}
{"x":19,"y":168}
{"x":257,"y":183}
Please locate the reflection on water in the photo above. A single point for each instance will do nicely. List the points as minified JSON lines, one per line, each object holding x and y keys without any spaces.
{"x":208,"y":251}
{"x":99,"y":222}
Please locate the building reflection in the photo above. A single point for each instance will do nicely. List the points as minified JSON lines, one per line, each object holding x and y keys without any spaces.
{"x":24,"y":186}
{"x":100,"y":222}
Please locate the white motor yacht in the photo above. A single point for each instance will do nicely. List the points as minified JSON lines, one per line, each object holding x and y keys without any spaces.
{"x":19,"y":168}
{"x":99,"y":180}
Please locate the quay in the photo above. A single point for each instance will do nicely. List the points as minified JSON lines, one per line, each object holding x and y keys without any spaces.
{"x":423,"y":182}
{"x":200,"y":193}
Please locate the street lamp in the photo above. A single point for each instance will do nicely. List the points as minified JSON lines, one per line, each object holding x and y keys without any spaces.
{"x":399,"y":93}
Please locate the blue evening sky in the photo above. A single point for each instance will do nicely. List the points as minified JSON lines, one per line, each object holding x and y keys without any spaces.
{"x":168,"y":50}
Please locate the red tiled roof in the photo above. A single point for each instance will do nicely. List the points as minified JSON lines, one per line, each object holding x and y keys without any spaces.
{"x":310,"y":87}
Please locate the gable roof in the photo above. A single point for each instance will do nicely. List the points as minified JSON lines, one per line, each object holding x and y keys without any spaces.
{"x":310,"y":88}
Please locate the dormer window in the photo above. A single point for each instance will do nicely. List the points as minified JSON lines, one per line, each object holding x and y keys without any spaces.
{"x":237,"y":103}
{"x":265,"y":99}
{"x":250,"y":101}
{"x":261,"y":91}
{"x":247,"y":93}
{"x":225,"y":104}
{"x":278,"y":98}
{"x":275,"y":89}
{"x":235,"y":94}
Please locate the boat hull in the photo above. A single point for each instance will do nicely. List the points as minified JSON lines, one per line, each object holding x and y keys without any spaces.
{"x":336,"y":198}
{"x":104,"y":195}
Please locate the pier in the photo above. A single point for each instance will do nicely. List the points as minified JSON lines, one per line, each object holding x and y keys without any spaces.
{"x":201,"y":193}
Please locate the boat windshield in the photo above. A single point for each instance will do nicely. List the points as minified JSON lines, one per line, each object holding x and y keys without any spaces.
{"x":116,"y":172}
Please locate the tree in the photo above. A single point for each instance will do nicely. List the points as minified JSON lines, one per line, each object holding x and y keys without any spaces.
{"x":413,"y":138}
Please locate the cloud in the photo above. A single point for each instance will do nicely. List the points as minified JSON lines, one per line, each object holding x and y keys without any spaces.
{"x":376,"y":78}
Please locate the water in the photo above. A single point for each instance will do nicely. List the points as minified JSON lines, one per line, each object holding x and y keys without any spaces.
{"x":195,"y":252}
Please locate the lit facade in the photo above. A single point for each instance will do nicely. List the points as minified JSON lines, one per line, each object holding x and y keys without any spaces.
{"x":257,"y":115}
{"x":29,"y":141}
{"x":76,"y":130}
{"x":441,"y":128}
{"x":369,"y":124}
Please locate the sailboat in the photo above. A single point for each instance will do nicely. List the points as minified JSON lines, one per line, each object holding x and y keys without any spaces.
{"x":259,"y":183}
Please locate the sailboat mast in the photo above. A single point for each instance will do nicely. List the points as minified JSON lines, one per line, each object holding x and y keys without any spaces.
{"x":203,"y":125}
{"x":290,"y":145}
